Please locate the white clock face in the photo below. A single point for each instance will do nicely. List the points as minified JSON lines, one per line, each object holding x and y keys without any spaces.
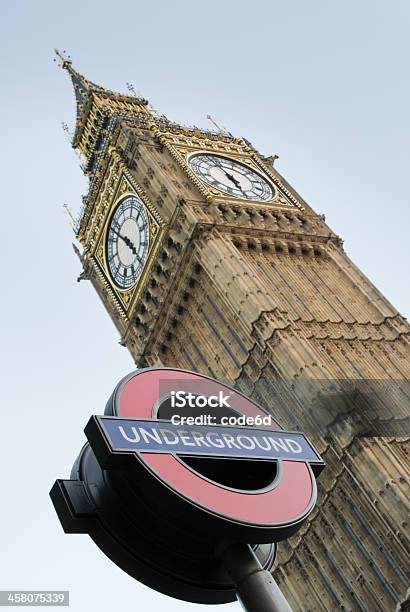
{"x":231,"y":177}
{"x":127,"y":242}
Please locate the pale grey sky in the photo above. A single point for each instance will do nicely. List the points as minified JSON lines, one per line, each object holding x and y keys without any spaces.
{"x":322,"y":84}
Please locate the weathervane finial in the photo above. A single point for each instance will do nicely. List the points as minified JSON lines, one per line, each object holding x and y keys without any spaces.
{"x":65,"y":60}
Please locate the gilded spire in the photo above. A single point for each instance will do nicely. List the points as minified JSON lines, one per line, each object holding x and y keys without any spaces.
{"x":82,"y":86}
{"x":97,"y":109}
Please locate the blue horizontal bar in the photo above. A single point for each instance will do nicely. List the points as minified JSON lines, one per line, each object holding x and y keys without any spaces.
{"x":160,"y":436}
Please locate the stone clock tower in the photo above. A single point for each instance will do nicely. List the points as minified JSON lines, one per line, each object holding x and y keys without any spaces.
{"x":207,"y":259}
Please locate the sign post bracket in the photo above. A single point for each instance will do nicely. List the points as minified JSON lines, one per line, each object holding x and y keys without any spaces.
{"x":256,"y":588}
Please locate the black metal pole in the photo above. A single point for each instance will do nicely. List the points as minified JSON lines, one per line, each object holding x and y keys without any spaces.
{"x":257,"y":591}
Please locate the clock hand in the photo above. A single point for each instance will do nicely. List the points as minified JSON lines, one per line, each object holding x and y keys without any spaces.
{"x":127,"y":241}
{"x":230,"y":176}
{"x":129,"y":244}
{"x":233,"y":180}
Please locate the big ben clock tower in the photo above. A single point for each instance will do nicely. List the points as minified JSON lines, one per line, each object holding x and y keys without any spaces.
{"x":207,"y":259}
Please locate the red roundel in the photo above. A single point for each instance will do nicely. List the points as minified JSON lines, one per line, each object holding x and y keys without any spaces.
{"x":284,"y":504}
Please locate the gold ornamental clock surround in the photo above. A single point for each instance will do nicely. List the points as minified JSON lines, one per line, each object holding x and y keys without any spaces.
{"x":206,"y":259}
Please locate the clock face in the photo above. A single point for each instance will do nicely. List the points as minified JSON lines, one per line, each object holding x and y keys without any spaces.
{"x":231,"y":177}
{"x":127,"y":242}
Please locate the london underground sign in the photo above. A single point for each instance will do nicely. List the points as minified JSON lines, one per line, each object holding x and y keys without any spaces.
{"x":178,"y":463}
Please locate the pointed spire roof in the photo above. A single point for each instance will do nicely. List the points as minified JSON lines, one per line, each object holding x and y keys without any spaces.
{"x":95,"y":105}
{"x":82,"y":86}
